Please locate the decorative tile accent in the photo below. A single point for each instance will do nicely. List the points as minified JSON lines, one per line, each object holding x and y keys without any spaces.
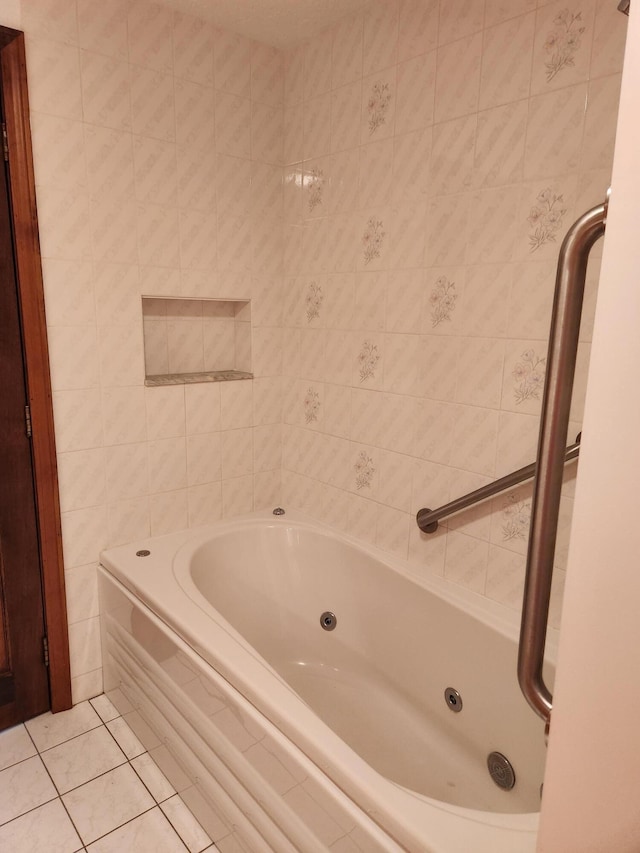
{"x":315,"y":182}
{"x":516,"y":515}
{"x":563,"y":41}
{"x":545,"y":218}
{"x":442,"y":299}
{"x":368,"y":358}
{"x":313,"y":301}
{"x":373,"y":239}
{"x":311,"y":405}
{"x":528,"y":376}
{"x":364,"y":470}
{"x":378,"y":105}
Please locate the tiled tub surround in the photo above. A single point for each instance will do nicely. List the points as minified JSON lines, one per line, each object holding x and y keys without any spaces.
{"x":81,"y":780}
{"x":157,"y":150}
{"x":436,"y":153}
{"x":432,"y":162}
{"x":263,"y":709}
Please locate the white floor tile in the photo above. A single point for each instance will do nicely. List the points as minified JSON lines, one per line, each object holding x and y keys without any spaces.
{"x":105,"y":708}
{"x":82,"y":758}
{"x":155,"y":780}
{"x":186,"y":825}
{"x":99,"y":766}
{"x":49,"y":730}
{"x":24,"y":786}
{"x":107,"y":802}
{"x":15,"y":745}
{"x":127,"y":741}
{"x":46,"y":829}
{"x":149,"y":833}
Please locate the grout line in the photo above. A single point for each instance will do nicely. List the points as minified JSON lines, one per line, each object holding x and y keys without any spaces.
{"x":58,"y":796}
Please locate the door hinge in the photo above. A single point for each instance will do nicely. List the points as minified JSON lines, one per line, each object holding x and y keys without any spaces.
{"x":27,"y":420}
{"x":45,"y":650}
{"x":5,"y":143}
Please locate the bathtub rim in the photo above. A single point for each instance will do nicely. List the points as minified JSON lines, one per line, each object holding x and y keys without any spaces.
{"x":278,"y":701}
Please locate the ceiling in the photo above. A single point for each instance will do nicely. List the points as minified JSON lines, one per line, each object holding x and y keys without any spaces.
{"x":277,"y":22}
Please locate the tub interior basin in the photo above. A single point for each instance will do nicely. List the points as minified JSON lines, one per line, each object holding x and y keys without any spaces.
{"x":378,"y":678}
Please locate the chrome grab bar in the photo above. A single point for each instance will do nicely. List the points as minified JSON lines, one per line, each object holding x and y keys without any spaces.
{"x":554,"y":421}
{"x":428,"y":518}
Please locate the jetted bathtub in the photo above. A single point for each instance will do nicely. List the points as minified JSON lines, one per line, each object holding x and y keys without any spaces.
{"x":290,"y":682}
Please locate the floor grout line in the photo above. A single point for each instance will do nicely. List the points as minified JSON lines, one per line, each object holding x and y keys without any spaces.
{"x":126,"y":761}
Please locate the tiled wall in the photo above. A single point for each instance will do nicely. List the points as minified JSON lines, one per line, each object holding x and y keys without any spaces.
{"x":435,"y":155}
{"x":157,"y":146}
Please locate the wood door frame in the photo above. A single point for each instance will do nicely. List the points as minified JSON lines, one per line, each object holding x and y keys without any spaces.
{"x":13,"y":80}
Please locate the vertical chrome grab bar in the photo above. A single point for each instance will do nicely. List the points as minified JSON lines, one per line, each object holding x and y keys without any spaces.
{"x":554,"y":423}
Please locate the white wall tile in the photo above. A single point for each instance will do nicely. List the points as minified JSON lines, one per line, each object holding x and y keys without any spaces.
{"x":105,"y":90}
{"x":417,"y":27}
{"x":506,"y":71}
{"x":103,"y":29}
{"x":458,"y":78}
{"x":222,"y":177}
{"x":54,"y":78}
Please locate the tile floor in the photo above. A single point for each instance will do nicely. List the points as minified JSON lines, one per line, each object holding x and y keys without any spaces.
{"x":81,"y":780}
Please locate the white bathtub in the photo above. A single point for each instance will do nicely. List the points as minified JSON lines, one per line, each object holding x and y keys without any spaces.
{"x":282,"y":736}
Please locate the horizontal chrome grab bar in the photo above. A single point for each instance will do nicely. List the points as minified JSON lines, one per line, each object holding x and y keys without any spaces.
{"x":428,"y":518}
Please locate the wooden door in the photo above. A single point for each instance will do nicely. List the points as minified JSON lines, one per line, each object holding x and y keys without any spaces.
{"x":15,"y":102}
{"x":24,"y":686}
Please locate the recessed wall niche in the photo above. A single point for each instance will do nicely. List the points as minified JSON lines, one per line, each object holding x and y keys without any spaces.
{"x":196,"y":340}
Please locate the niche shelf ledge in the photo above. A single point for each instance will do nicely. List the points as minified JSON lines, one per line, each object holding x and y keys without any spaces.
{"x":190,"y":378}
